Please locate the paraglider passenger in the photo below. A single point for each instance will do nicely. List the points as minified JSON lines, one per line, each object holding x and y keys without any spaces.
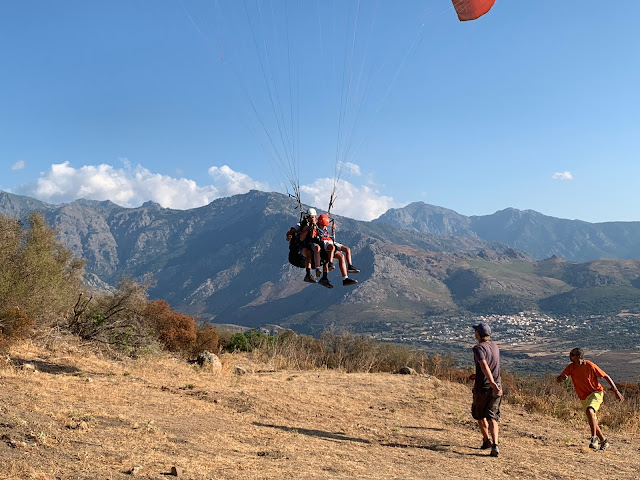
{"x":333,"y":248}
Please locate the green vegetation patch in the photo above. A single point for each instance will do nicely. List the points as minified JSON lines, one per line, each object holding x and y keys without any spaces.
{"x":607,"y":300}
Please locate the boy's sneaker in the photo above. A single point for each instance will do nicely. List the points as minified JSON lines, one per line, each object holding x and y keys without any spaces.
{"x":486,"y":443}
{"x":349,"y":281}
{"x":593,"y":443}
{"x":495,"y":451}
{"x":309,"y":278}
{"x":324,"y":281}
{"x":331,"y":266}
{"x":318,"y":272}
{"x":352,"y":269}
{"x":604,"y":445}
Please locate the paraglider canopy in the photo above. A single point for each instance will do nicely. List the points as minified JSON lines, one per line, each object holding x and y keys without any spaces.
{"x":472,"y":9}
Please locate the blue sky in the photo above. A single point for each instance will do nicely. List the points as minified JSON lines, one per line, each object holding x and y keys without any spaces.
{"x":533,"y":106}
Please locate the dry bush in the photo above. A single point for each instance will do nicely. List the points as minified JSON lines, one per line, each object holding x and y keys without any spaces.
{"x":344,"y":351}
{"x":15,"y":325}
{"x":546,"y":396}
{"x":176,"y":331}
{"x":115,"y":318}
{"x":207,"y":338}
{"x":622,"y":415}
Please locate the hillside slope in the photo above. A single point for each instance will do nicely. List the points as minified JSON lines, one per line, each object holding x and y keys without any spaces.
{"x":81,"y":417}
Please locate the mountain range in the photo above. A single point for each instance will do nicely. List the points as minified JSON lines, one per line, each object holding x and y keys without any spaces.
{"x":226,"y":262}
{"x":539,"y":235}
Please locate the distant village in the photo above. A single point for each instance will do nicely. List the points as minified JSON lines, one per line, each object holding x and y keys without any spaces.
{"x":522,"y":336}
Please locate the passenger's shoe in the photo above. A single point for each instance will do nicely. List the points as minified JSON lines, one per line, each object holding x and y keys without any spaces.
{"x":486,"y":443}
{"x":331,"y":266}
{"x":495,"y":451}
{"x":318,"y":272}
{"x":349,"y":281}
{"x":604,"y":445}
{"x":352,"y":269}
{"x":309,"y":278}
{"x":593,"y":443}
{"x":324,"y":281}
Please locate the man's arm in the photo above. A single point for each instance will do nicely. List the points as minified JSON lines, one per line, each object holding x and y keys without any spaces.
{"x":614,"y":389}
{"x":561,"y":378}
{"x":487,"y":373}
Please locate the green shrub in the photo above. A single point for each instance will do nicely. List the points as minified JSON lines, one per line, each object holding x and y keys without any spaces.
{"x":38,"y":274}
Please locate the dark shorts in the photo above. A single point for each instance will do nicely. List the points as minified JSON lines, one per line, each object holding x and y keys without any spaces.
{"x":486,"y":404}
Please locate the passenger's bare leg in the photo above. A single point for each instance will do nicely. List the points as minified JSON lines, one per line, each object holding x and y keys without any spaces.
{"x":341,"y":264}
{"x":347,"y":252}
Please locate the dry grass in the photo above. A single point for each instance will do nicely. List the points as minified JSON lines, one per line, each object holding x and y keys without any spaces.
{"x":83,"y":415}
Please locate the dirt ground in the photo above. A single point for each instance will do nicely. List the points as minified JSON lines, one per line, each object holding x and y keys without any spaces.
{"x":77,"y":415}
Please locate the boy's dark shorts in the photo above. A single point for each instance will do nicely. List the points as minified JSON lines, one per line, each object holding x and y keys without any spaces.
{"x":486,"y":404}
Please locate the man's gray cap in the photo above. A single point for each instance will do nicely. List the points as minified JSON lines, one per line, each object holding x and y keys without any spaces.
{"x":483,"y":329}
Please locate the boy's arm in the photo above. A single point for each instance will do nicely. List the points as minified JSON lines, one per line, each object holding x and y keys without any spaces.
{"x":614,"y":389}
{"x":563,"y":376}
{"x":487,"y":373}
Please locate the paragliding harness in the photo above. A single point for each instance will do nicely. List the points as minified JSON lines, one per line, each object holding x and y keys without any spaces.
{"x":295,"y":249}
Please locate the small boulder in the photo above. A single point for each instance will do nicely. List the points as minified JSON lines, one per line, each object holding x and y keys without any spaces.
{"x":406,"y":371}
{"x":238,"y":370}
{"x":135,"y":470}
{"x":209,"y":359}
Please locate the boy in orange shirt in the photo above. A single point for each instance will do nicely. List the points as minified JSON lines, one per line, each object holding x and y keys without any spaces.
{"x":584,"y":375}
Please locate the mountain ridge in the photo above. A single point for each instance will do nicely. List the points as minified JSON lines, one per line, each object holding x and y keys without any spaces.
{"x":226,"y":263}
{"x":540,"y":235}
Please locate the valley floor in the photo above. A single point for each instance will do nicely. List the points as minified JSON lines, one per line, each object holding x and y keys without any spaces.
{"x":79,"y":416}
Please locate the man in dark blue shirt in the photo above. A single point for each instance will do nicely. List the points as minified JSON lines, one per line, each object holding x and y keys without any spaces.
{"x":487,"y":388}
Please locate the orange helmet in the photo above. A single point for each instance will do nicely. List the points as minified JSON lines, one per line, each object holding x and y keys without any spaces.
{"x":323,"y":220}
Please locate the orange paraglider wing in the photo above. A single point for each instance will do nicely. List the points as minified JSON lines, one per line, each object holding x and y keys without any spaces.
{"x":472,"y":9}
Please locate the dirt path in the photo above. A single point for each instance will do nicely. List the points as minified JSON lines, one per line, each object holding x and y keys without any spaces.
{"x":82,"y":417}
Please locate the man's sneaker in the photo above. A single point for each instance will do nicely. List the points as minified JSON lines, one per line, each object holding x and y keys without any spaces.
{"x":486,"y":443}
{"x":593,"y":443}
{"x":349,"y":281}
{"x":604,"y":445}
{"x":318,"y":272}
{"x":324,"y":281}
{"x":352,"y":269}
{"x":331,"y":266}
{"x":495,"y":451}
{"x":309,"y":278}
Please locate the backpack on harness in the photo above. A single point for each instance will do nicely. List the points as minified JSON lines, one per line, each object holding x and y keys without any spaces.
{"x":295,"y":257}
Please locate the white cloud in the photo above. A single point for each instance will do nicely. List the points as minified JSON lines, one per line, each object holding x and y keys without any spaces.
{"x":19,"y":165}
{"x":562,"y":176}
{"x":131,"y":186}
{"x":361,"y":203}
{"x":230,"y":182}
{"x":350,"y":168}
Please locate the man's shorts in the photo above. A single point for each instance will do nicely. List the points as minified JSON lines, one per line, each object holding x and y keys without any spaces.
{"x":486,"y":404}
{"x":594,"y":400}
